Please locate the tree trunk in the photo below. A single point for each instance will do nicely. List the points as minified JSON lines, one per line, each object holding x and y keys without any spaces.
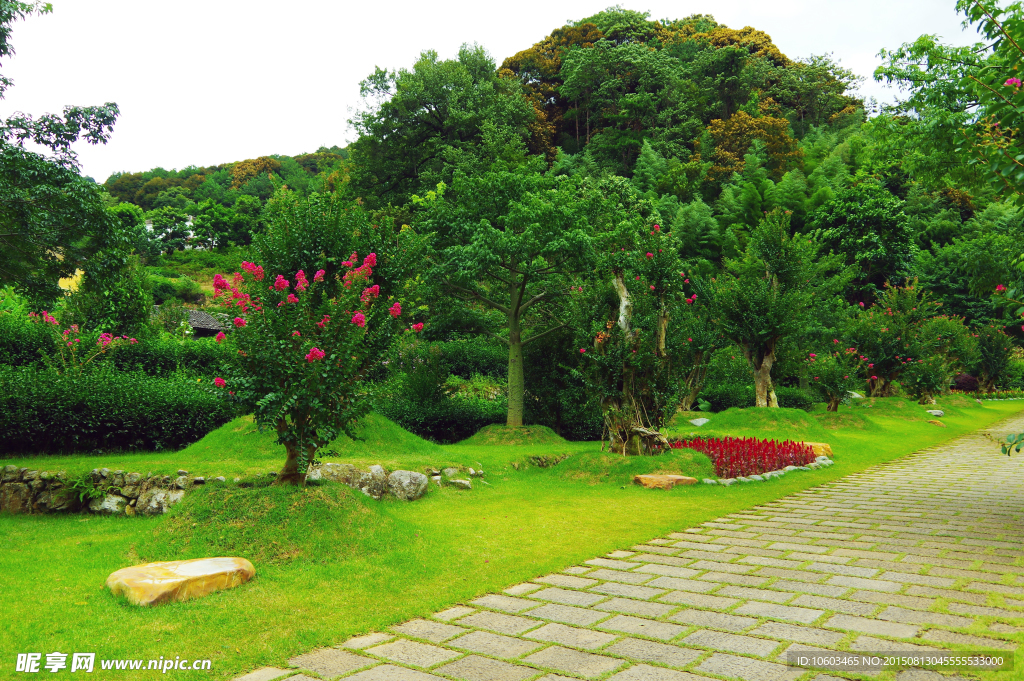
{"x":763,"y":389}
{"x":833,"y":404}
{"x":926,"y":398}
{"x":290,"y":474}
{"x":516,"y":379}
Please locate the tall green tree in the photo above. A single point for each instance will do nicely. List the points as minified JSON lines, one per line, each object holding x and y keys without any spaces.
{"x":767,"y":295}
{"x":506,"y":239}
{"x":423,"y":124}
{"x":50,"y":217}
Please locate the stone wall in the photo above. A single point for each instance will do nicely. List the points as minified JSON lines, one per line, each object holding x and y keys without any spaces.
{"x":23,"y":490}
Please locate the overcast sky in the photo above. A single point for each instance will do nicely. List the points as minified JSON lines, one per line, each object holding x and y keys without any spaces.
{"x":203,"y":82}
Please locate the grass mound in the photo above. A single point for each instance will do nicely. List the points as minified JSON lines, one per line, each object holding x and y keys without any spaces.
{"x":604,"y":467}
{"x":514,"y":436}
{"x":845,"y":419}
{"x":381,"y":440}
{"x":777,"y":424}
{"x":268,"y":525}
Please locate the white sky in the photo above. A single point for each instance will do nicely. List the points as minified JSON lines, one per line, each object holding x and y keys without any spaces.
{"x":203,"y":82}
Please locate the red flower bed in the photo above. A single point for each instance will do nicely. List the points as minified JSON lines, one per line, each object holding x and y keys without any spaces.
{"x":736,"y":456}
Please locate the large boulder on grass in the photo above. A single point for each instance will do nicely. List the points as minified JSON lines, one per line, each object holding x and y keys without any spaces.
{"x":179,"y":580}
{"x":408,"y":485}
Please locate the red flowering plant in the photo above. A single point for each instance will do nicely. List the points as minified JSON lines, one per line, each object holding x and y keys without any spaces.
{"x":741,"y":456}
{"x":835,"y":374}
{"x":303,"y":358}
{"x":68,"y":356}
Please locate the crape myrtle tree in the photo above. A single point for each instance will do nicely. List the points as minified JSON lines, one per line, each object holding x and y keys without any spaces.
{"x":629,"y":328}
{"x":507,"y":239}
{"x":767,"y":294}
{"x":308,"y":337}
{"x":51,"y":218}
{"x":886,"y":333}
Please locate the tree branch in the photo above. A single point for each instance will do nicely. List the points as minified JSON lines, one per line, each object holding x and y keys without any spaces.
{"x":541,"y":335}
{"x":503,"y":340}
{"x":474,"y":294}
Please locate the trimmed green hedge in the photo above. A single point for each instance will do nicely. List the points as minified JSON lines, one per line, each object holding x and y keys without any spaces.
{"x":444,"y":420}
{"x":44,"y":412}
{"x":727,"y":395}
{"x":22,"y":344}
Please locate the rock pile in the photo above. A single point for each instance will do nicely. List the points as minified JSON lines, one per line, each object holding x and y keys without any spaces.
{"x":406,"y":485}
{"x":30,"y":491}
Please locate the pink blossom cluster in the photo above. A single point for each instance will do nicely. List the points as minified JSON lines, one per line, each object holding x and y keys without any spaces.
{"x":1015,"y":82}
{"x":219,"y":382}
{"x":301,"y":283}
{"x":359,"y":319}
{"x":323,"y":322}
{"x":255,"y":270}
{"x":395,"y":310}
{"x":416,"y":328}
{"x":280,"y":284}
{"x":314,"y":355}
{"x":368,"y":293}
{"x":361,"y":273}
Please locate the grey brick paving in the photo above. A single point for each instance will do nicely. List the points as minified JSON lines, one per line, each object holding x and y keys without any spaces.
{"x":871,"y":562}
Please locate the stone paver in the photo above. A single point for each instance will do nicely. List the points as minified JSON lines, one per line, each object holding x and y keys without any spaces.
{"x":476,"y":668}
{"x":732,"y":643}
{"x":495,"y":621}
{"x":429,"y":631}
{"x":649,"y":651}
{"x":495,"y":645}
{"x":572,"y":661}
{"x":413,"y":653}
{"x":330,"y":662}
{"x":871,"y":562}
{"x":571,"y":636}
{"x":264,"y":674}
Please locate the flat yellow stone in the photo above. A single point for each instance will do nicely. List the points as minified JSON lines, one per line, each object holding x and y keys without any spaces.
{"x":820,"y":448}
{"x":663,"y":481}
{"x":179,"y":580}
{"x":938,"y":423}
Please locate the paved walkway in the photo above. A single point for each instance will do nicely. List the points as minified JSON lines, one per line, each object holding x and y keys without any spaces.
{"x":921,"y":554}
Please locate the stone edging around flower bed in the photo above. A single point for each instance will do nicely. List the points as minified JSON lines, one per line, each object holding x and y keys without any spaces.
{"x":819,"y":462}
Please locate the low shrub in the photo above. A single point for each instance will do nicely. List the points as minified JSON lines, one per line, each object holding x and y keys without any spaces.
{"x":965,"y":383}
{"x":42,"y":411}
{"x":22,"y":343}
{"x":728,"y":395}
{"x":443,"y":420}
{"x":736,"y":456}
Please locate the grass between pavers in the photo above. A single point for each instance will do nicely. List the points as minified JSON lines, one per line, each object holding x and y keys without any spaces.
{"x":332,"y":563}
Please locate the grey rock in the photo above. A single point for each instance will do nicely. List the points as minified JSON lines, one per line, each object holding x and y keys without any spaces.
{"x":743,"y":478}
{"x":10,"y":474}
{"x":375,"y":483}
{"x":790,"y":468}
{"x":814,"y":466}
{"x":437,"y":479}
{"x":237,"y":480}
{"x":803,"y":468}
{"x":727,"y":481}
{"x":157,"y":501}
{"x":462,"y":484}
{"x":314,"y":474}
{"x":700,"y":422}
{"x":936,"y":412}
{"x":104,"y":472}
{"x":199,"y":480}
{"x":475,"y":474}
{"x":220,"y":478}
{"x":431,"y":471}
{"x":450,"y":472}
{"x":757,"y":478}
{"x":709,"y":481}
{"x":407,"y":485}
{"x":111,"y":504}
{"x":855,"y":396}
{"x":16,"y":497}
{"x":181,"y":482}
{"x":182,"y":472}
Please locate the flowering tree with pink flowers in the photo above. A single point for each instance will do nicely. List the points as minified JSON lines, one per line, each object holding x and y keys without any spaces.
{"x":302,"y":357}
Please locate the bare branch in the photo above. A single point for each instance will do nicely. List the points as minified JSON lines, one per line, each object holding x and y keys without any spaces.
{"x":541,"y":335}
{"x":477,"y":296}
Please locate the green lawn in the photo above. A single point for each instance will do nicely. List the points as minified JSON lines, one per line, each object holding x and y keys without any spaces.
{"x":332,"y":563}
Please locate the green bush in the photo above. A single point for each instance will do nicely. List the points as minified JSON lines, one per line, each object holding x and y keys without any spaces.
{"x":23,"y":343}
{"x":727,"y":395}
{"x":45,"y":412}
{"x":794,"y":398}
{"x":444,"y":420}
